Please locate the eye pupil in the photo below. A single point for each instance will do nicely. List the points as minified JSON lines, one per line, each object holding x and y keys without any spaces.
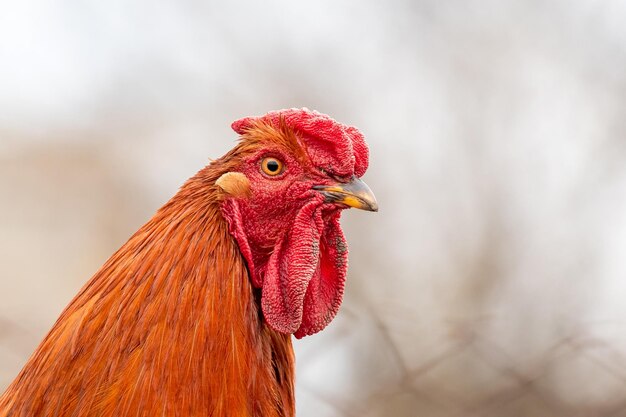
{"x":273,"y":166}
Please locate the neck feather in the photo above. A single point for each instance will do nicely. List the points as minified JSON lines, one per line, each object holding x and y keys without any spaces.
{"x":170,"y":325}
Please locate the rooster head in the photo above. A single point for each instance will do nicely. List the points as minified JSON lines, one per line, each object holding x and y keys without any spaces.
{"x":287,"y":182}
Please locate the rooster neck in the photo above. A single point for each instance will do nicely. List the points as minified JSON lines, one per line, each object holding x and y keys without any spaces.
{"x":169,"y":326}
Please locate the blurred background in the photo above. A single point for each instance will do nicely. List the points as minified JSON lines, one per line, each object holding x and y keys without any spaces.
{"x":491,"y":282}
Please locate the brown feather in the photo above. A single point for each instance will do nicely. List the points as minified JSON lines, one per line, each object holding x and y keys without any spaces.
{"x":169,"y":326}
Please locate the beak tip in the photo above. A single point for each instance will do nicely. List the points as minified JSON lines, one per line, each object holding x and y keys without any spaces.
{"x":355,"y":194}
{"x":369,"y":205}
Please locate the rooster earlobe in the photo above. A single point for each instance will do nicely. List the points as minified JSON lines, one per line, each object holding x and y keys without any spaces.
{"x":235,"y":184}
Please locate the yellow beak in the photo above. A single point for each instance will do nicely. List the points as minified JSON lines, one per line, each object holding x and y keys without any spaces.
{"x":352,"y":194}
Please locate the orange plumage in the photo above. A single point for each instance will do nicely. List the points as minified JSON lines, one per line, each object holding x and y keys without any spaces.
{"x":171,"y":325}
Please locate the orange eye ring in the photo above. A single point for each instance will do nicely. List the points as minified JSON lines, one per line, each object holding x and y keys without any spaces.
{"x":272,"y":166}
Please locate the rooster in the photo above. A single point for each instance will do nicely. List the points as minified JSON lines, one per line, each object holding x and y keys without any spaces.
{"x":193,"y":315}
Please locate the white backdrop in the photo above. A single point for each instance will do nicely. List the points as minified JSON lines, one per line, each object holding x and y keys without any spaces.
{"x":491,"y":282}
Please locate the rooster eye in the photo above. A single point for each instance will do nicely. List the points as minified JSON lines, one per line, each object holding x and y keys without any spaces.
{"x":271,"y":166}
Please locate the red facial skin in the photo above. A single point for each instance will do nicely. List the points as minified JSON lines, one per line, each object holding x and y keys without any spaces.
{"x":290,"y":237}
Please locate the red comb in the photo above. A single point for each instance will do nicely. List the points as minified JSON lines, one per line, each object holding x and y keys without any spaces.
{"x":333,"y":146}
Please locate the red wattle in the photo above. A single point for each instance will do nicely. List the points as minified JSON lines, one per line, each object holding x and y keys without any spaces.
{"x":325,"y":290}
{"x":289,"y":270}
{"x":304,"y":279}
